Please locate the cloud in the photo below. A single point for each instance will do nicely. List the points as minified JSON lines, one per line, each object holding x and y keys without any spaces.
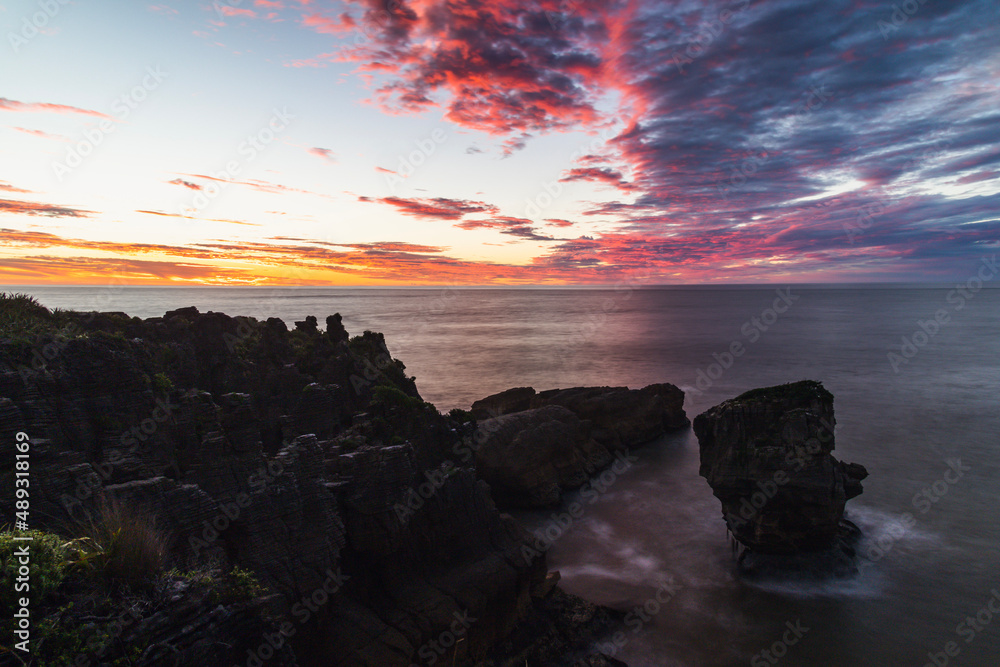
{"x":753,"y":135}
{"x":599,"y":174}
{"x":742,"y":124}
{"x":163,"y":9}
{"x":35,"y":208}
{"x":255,"y":184}
{"x":43,"y":107}
{"x":7,"y":187}
{"x":186,"y":184}
{"x":13,"y":237}
{"x":342,"y":24}
{"x":511,"y":226}
{"x":503,"y":67}
{"x":188,"y":217}
{"x":437,"y":208}
{"x":41,"y":134}
{"x":324,"y":153}
{"x":229,"y":10}
{"x":42,"y":269}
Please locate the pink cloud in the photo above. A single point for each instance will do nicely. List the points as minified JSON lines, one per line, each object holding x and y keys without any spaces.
{"x":45,"y":107}
{"x":228,"y":10}
{"x":438,"y":208}
{"x":324,"y":153}
{"x":323,"y":24}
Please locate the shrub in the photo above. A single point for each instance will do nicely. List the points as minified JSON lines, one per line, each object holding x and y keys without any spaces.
{"x":162,"y":384}
{"x":462,"y":416}
{"x":392,"y":399}
{"x":48,"y":565}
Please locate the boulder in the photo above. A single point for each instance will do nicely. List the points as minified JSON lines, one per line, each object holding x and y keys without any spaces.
{"x":504,"y":403}
{"x":767,"y":456}
{"x":528,"y":458}
{"x":622,"y":417}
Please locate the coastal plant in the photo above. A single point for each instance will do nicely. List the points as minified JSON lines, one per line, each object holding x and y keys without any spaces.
{"x":236,"y":586}
{"x":393,"y":400}
{"x":122,"y":543}
{"x":48,"y":567}
{"x":462,"y":416}
{"x":21,"y":316}
{"x":162,"y":384}
{"x":47,"y":570}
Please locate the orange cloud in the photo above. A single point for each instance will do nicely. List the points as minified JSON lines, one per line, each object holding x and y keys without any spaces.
{"x":35,"y":208}
{"x":10,"y":188}
{"x":188,"y":217}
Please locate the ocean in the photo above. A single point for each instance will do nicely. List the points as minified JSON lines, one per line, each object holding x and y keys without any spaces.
{"x":915,"y":372}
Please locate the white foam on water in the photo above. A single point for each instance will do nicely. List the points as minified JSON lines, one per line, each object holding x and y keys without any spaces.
{"x":865,"y":586}
{"x":883,"y":533}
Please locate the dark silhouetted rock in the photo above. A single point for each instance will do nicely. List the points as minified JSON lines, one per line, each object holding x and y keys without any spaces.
{"x":335,"y":330}
{"x":506,"y":402}
{"x":302,"y":456}
{"x":622,"y":417}
{"x":309,"y":325}
{"x":766,"y":455}
{"x":188,"y":313}
{"x":530,"y":457}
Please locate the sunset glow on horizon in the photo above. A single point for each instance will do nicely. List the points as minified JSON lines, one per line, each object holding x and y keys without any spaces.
{"x":428,"y":142}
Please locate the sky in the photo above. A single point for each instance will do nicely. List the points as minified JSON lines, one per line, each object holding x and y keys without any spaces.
{"x":434,"y":142}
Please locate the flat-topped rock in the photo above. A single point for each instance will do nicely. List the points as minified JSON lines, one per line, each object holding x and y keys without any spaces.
{"x":529,"y":458}
{"x":767,"y":456}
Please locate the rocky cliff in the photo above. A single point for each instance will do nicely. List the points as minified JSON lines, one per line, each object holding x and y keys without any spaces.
{"x":303,"y":455}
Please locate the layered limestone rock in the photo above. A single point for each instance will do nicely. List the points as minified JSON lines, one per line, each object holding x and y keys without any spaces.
{"x":767,"y":456}
{"x":534,"y":446}
{"x":622,"y":417}
{"x":305,"y":456}
{"x":530,"y":457}
{"x":504,"y":403}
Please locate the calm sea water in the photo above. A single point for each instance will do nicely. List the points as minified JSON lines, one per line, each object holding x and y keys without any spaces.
{"x":658,"y":525}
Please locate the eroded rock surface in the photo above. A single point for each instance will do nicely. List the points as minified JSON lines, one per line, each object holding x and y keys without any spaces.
{"x":534,"y":445}
{"x":767,"y":456}
{"x":305,"y":456}
{"x":530,"y":457}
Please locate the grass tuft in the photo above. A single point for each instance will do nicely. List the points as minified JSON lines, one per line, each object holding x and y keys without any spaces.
{"x":123,"y":544}
{"x":21,"y":315}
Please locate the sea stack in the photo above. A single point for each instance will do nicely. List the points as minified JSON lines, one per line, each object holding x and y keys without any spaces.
{"x":767,"y":456}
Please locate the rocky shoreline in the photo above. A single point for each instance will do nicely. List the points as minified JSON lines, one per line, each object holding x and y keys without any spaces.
{"x":369,"y":526}
{"x":305,"y":457}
